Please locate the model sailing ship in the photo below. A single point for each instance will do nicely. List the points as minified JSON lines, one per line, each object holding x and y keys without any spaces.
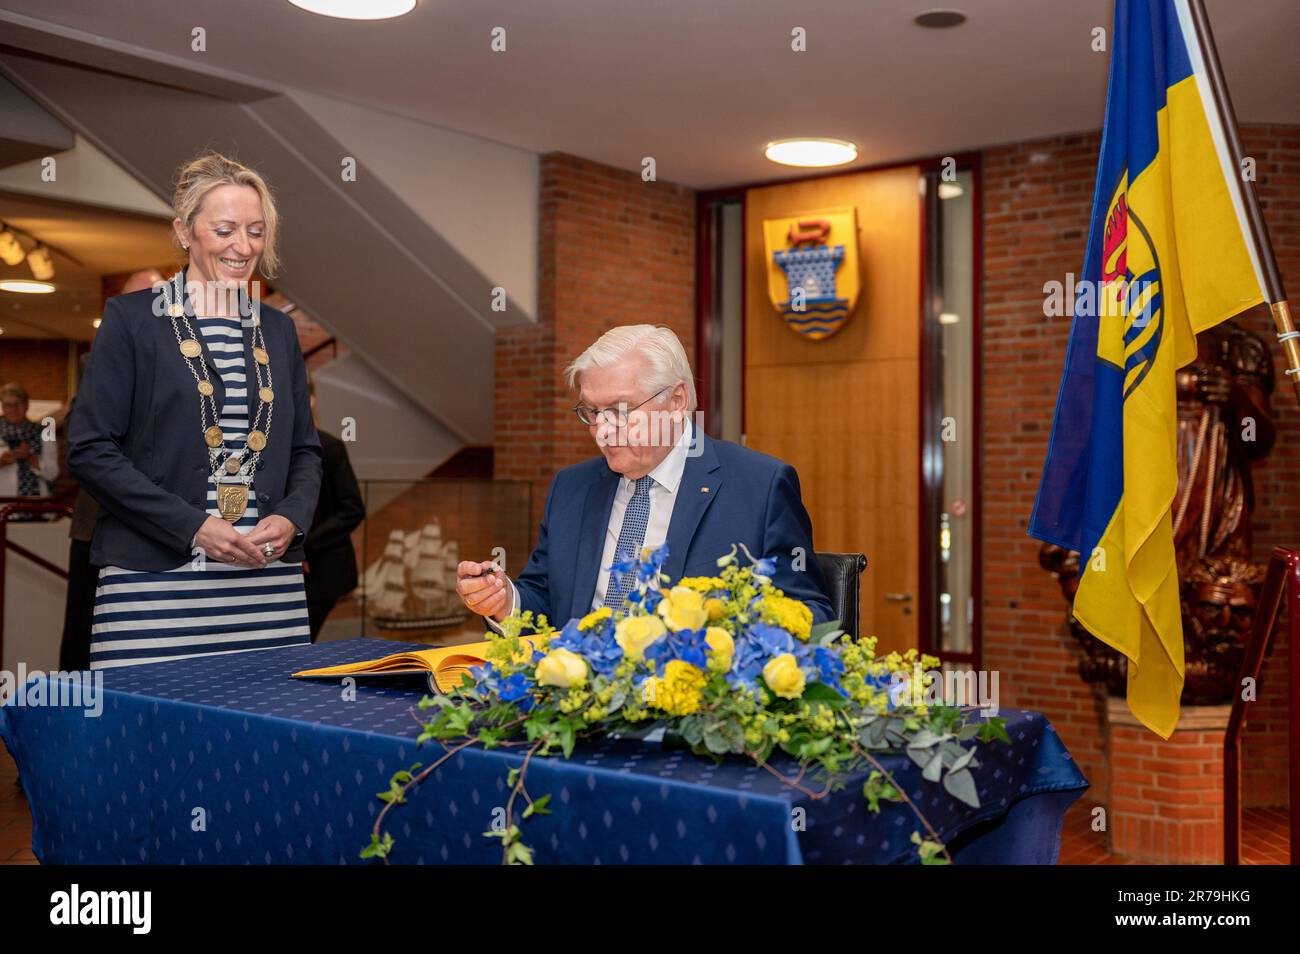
{"x":412,"y":586}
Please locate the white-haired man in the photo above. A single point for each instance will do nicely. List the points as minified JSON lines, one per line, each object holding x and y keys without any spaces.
{"x":657,"y":481}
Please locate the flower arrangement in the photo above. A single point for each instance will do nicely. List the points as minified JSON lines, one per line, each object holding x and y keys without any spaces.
{"x":729,"y":664}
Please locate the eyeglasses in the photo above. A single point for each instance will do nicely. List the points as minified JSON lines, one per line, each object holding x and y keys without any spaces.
{"x":615,"y":417}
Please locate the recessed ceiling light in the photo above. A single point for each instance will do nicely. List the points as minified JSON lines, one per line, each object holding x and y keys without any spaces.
{"x":357,"y":9}
{"x":950,"y":190}
{"x":811,"y":152}
{"x":26,"y":286}
{"x":940,"y":19}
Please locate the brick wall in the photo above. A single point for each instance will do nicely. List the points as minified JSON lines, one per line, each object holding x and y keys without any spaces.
{"x":39,"y":364}
{"x":1037,"y":199}
{"x":613,"y":250}
{"x":1166,"y":798}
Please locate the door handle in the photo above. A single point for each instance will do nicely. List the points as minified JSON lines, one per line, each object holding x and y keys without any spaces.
{"x":899,"y":597}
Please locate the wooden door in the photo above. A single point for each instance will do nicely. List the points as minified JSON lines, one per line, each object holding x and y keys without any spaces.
{"x":845,"y":411}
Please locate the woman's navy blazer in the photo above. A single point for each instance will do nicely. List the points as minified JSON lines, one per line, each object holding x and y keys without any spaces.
{"x":136,"y":444}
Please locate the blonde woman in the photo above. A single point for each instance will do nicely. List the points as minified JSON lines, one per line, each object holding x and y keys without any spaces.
{"x":193,"y":431}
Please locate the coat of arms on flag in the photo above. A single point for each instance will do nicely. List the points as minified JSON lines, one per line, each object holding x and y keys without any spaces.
{"x":813,"y":270}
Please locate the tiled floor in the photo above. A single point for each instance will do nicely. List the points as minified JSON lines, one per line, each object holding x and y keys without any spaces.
{"x":1264,"y":837}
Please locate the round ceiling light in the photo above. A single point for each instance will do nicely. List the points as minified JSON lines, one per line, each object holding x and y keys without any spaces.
{"x":26,"y":287}
{"x":940,"y":19}
{"x":811,"y":153}
{"x":357,"y":9}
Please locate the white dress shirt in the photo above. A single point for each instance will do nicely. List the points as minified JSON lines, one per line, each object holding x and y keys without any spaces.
{"x":667,"y":479}
{"x":44,"y":460}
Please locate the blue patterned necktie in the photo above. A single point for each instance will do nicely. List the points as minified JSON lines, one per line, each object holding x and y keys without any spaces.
{"x":631,"y":537}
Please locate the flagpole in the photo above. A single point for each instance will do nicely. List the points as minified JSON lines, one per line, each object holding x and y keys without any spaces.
{"x":1287,"y":334}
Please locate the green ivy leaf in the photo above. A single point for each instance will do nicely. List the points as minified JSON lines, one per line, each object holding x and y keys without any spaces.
{"x":377,"y":848}
{"x":995,"y":729}
{"x":519,"y":854}
{"x":539,"y":807}
{"x":820,"y":692}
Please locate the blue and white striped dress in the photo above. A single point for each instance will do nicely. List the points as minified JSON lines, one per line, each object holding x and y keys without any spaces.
{"x":157,"y":617}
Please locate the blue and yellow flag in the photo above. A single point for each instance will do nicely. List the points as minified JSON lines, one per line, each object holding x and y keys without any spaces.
{"x":1169,"y":254}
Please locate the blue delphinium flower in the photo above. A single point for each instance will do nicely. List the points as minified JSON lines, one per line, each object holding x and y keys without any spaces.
{"x":829,"y":667}
{"x":688,"y":645}
{"x":646,"y":570}
{"x":514,"y":687}
{"x":595,"y":645}
{"x":651,"y":566}
{"x":892,"y":689}
{"x":650,"y":599}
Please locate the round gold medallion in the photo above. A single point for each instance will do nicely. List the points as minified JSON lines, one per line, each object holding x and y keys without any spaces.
{"x":205,"y":388}
{"x":260,"y":355}
{"x":267,"y":395}
{"x":213,"y":436}
{"x":191,"y":348}
{"x":232,"y":465}
{"x":175,"y":310}
{"x":256,"y":440}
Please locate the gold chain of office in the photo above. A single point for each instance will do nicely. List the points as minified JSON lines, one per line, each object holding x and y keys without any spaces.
{"x":232,"y":472}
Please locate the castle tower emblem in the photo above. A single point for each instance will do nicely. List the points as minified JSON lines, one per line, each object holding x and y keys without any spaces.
{"x":813,"y":270}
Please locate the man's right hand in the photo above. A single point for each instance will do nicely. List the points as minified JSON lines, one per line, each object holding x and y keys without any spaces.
{"x":220,"y":541}
{"x":484,"y":589}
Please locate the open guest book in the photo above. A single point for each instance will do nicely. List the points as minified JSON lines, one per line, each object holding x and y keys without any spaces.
{"x":442,"y":666}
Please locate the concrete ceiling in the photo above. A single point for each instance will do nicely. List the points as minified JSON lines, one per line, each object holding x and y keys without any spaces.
{"x":103,"y":242}
{"x":701,"y":86}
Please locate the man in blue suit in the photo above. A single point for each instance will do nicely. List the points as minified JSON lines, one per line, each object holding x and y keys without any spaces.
{"x":658,"y":480}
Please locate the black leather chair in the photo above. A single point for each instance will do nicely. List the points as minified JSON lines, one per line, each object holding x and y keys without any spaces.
{"x":841,"y":572}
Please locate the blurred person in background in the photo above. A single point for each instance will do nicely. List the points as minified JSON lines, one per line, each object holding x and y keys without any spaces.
{"x":28,"y":464}
{"x":331,"y":565}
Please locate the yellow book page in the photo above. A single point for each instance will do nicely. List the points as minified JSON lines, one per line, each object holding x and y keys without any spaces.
{"x":446,"y":663}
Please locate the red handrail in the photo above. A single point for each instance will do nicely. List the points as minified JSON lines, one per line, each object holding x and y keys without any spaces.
{"x":23,"y":505}
{"x":1281,"y":581}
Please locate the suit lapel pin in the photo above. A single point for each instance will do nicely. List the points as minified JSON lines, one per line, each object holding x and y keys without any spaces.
{"x":704,"y":490}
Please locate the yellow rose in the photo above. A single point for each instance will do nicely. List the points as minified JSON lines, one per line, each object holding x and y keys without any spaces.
{"x":683,"y":608}
{"x":784,"y":677}
{"x":636,"y":634}
{"x":715,"y":608}
{"x":562,"y":668}
{"x":723,"y":646}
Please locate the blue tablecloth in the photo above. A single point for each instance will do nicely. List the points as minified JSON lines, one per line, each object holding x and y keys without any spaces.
{"x":286,"y":771}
